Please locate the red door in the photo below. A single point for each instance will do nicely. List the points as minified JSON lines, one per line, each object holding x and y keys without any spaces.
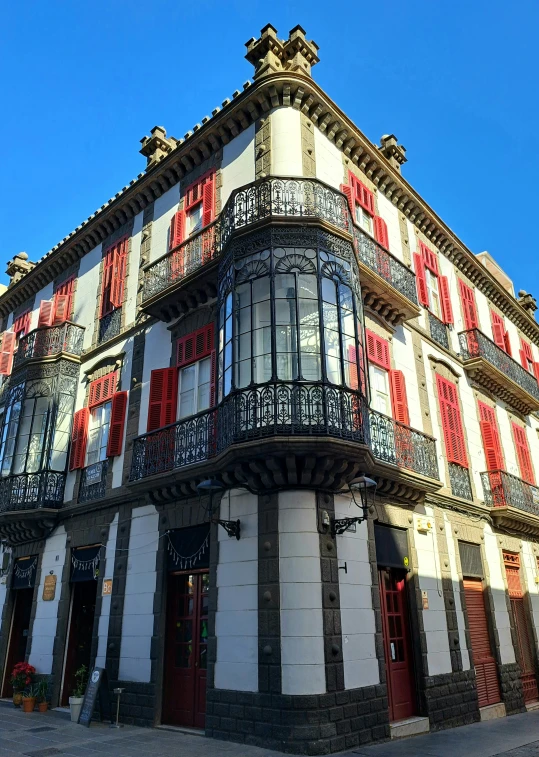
{"x":488,"y":687}
{"x":524,"y":652}
{"x":397,"y":648}
{"x":184,"y":701}
{"x":20,"y":625}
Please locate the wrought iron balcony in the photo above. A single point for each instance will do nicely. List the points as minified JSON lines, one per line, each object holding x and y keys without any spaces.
{"x":494,"y":369}
{"x":32,"y":491}
{"x":438,"y":331}
{"x":393,"y":442}
{"x":502,"y":489}
{"x":49,"y":341}
{"x":378,"y":268}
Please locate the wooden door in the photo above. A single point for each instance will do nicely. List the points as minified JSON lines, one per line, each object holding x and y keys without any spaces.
{"x":488,"y":687}
{"x":20,"y":625}
{"x":184,"y":700}
{"x":524,"y":650}
{"x":80,"y":633}
{"x":397,"y":648}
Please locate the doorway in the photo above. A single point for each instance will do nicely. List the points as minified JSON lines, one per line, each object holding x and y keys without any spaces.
{"x":79,"y":638}
{"x":18,"y":639}
{"x":486,"y":674}
{"x":397,"y":647}
{"x":184,"y":691}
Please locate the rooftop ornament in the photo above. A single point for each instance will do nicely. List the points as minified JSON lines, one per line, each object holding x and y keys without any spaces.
{"x":270,"y":55}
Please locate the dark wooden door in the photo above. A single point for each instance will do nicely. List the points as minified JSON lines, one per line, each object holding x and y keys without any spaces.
{"x":184,"y":701}
{"x":22,"y":609}
{"x":79,"y":645}
{"x":524,"y":651}
{"x":397,"y":647}
{"x":488,"y":687}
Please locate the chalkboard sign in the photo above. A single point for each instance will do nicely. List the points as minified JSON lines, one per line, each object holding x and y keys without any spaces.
{"x":98,"y":686}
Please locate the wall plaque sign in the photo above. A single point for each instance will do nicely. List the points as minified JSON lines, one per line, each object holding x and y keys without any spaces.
{"x":49,"y":588}
{"x":107,"y":587}
{"x":94,"y":473}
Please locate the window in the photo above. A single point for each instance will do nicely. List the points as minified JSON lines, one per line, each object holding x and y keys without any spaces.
{"x":434,"y":295}
{"x":194,"y":388}
{"x":526,"y":356}
{"x":499,"y":333}
{"x":469,"y":309}
{"x":113,"y":277}
{"x":379,"y":390}
{"x":9,"y":436}
{"x":451,"y":421}
{"x":432,"y":288}
{"x":388,"y":387}
{"x":98,"y":433}
{"x":31,"y":435}
{"x":21,"y":325}
{"x":363,"y":218}
{"x":198,"y":210}
{"x":523,"y":453}
{"x":490,"y":436}
{"x":7,"y":351}
{"x":63,"y":300}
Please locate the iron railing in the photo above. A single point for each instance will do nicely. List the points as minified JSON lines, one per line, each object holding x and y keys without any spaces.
{"x":459,"y":478}
{"x":50,"y":340}
{"x":502,"y":489}
{"x":393,"y":442}
{"x":89,"y":491}
{"x":385,"y":265}
{"x":473,"y":343}
{"x":438,"y":331}
{"x":30,"y":491}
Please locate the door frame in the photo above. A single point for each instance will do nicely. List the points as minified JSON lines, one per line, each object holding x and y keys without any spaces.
{"x":66,"y":644}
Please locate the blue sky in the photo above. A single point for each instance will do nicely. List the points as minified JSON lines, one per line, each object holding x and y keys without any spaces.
{"x":456,"y":82}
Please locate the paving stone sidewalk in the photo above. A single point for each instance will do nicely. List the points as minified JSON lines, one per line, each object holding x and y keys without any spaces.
{"x":50,"y":734}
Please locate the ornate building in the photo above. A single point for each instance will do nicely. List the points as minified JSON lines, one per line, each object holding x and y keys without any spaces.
{"x":268,"y":440}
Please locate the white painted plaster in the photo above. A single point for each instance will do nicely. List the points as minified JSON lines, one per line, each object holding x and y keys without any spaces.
{"x":328,"y":158}
{"x":455,"y":582}
{"x":87,"y":293}
{"x":104,"y":618}
{"x":238,"y":165}
{"x":155,"y":356}
{"x":286,"y":142}
{"x":163,"y":210}
{"x":497,"y":587}
{"x":390,"y":214}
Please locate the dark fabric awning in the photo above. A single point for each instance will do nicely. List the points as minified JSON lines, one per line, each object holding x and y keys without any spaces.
{"x":188,"y":548}
{"x":24,"y":572}
{"x":85,"y":563}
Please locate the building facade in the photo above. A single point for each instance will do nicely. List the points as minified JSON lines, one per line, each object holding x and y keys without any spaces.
{"x":194,"y":382}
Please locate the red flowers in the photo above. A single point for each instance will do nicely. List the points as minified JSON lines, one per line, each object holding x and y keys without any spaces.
{"x":22,"y":675}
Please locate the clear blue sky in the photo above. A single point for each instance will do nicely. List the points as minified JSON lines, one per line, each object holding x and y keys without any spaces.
{"x":82,"y":82}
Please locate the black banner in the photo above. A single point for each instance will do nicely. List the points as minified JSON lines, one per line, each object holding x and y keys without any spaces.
{"x":98,"y":685}
{"x":24,"y":572}
{"x":391,"y":547}
{"x":85,"y":563}
{"x":188,"y":548}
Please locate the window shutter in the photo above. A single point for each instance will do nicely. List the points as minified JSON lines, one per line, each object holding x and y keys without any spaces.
{"x":118,"y":280}
{"x":526,"y":357}
{"x":106,"y":282}
{"x":61,"y":303}
{"x":399,"y":399}
{"x":507,"y":343}
{"x":523,"y":454}
{"x":467,"y":297}
{"x":536,"y":370}
{"x":213,"y":378}
{"x":67,"y":289}
{"x":46,"y":308}
{"x":380,"y":232}
{"x":352,"y":359}
{"x":421,"y":280}
{"x":195,"y":346}
{"x":79,"y":438}
{"x":177,"y":229}
{"x":102,"y":389}
{"x":6,"y":353}
{"x":429,"y":258}
{"x":451,"y":422}
{"x":377,"y":350}
{"x":447,"y":308}
{"x":490,"y":446}
{"x":348,"y":193}
{"x":365,"y":198}
{"x":117,"y":423}
{"x":208,"y":201}
{"x":163,"y":398}
{"x":22,"y":323}
{"x":498,"y":329}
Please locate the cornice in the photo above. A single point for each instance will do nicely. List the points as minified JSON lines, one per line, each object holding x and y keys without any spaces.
{"x":280,"y":89}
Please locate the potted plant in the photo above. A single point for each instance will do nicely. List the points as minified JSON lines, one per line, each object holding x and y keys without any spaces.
{"x":42,"y":688}
{"x":29,"y":699}
{"x":77,"y":697}
{"x":22,"y":676}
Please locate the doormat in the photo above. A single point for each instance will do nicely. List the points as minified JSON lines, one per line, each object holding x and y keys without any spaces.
{"x":49,"y":751}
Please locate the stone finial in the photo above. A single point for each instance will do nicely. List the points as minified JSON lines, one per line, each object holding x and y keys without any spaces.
{"x":528,"y":302}
{"x":395,"y":153}
{"x":18,"y":267}
{"x":270,"y":55}
{"x":155,"y":148}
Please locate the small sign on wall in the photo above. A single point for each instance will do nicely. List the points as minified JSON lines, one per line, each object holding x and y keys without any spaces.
{"x":94,"y":473}
{"x":107,"y":587}
{"x":49,"y":588}
{"x":425,"y":598}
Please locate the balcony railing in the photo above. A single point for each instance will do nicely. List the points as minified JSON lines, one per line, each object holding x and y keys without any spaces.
{"x":385,"y":265}
{"x":31,"y":491}
{"x":393,"y":442}
{"x":502,"y":489}
{"x":50,"y":340}
{"x":459,"y":479}
{"x":438,"y":331}
{"x":474,"y":344}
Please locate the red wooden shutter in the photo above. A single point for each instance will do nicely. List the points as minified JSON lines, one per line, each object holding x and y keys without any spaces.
{"x":498,"y":329}
{"x":117,"y":422}
{"x":352,"y":363}
{"x":523,"y":454}
{"x":61,"y":304}
{"x":377,"y":350}
{"x":118,"y":280}
{"x":66,"y":289}
{"x":6,"y":352}
{"x":380,"y":232}
{"x":467,"y":297}
{"x":526,"y":357}
{"x":451,"y":422}
{"x":163,"y":397}
{"x":106,"y":282}
{"x":488,"y":688}
{"x":195,"y":346}
{"x":102,"y":389}
{"x":79,"y":438}
{"x":213,"y":378}
{"x":429,"y":258}
{"x":491,"y":438}
{"x":536,"y":370}
{"x":447,"y":308}
{"x":507,"y":343}
{"x":348,"y":193}
{"x":177,"y":229}
{"x":421,"y":280}
{"x":399,"y":399}
{"x":365,"y":198}
{"x":46,"y":309}
{"x":22,"y":323}
{"x":208,"y":200}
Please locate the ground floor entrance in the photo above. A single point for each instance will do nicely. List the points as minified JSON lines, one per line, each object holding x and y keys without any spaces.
{"x":79,"y":638}
{"x":18,"y":638}
{"x":524,"y":648}
{"x":184,"y":694}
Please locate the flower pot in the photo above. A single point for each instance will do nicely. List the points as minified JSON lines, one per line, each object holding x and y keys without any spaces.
{"x":17,"y":698}
{"x":75,"y":704}
{"x":28,"y":704}
{"x":43,"y":706}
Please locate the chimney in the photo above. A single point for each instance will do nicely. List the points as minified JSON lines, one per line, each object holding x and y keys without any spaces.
{"x":155,"y":148}
{"x":395,"y":153}
{"x":18,"y":267}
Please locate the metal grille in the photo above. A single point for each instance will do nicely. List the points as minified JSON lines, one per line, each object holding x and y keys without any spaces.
{"x":438,"y":331}
{"x":385,"y":265}
{"x":470,"y":559}
{"x":109,"y":325}
{"x":45,"y":342}
{"x":459,"y":478}
{"x":395,"y":443}
{"x":87,"y":491}
{"x":29,"y":491}
{"x":502,"y":489}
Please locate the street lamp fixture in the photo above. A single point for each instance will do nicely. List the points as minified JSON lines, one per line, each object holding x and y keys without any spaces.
{"x":365,"y":487}
{"x":210,"y":486}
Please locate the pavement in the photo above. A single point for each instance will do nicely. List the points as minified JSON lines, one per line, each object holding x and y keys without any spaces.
{"x":52,"y":733}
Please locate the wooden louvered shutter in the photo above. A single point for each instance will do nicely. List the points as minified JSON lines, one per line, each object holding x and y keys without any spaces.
{"x":353,"y":382}
{"x":79,"y":438}
{"x":348,"y":193}
{"x":177,"y":229}
{"x":523,"y":454}
{"x":421,"y":280}
{"x":6,"y":353}
{"x":490,"y":446}
{"x":208,"y":200}
{"x":498,"y":330}
{"x":61,"y":312}
{"x":46,"y":309}
{"x":429,"y":258}
{"x":163,"y":398}
{"x":536,"y":370}
{"x":380,"y":232}
{"x":447,"y":308}
{"x":365,"y":198}
{"x":195,"y":346}
{"x":117,"y":422}
{"x":488,"y":687}
{"x":119,"y":270}
{"x":451,"y":422}
{"x":507,"y":342}
{"x":467,"y":297}
{"x":399,"y":399}
{"x":102,"y":389}
{"x":213,"y":378}
{"x":526,"y":357}
{"x":106,"y":282}
{"x":377,"y":350}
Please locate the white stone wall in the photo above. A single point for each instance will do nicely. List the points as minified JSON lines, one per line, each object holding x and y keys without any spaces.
{"x":108,"y":572}
{"x":163,"y":210}
{"x":87,"y":293}
{"x":236,"y":619}
{"x":286,"y":142}
{"x":55,"y":554}
{"x":138,"y":617}
{"x":497,"y":586}
{"x":403,"y":359}
{"x":302,"y":629}
{"x":357,"y":613}
{"x":157,"y":348}
{"x":328,"y":158}
{"x":452,"y":547}
{"x":390,"y":214}
{"x":238,"y":164}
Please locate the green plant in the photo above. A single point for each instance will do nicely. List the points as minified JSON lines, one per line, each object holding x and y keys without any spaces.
{"x":42,"y":688}
{"x":81,"y":679}
{"x":30,"y":692}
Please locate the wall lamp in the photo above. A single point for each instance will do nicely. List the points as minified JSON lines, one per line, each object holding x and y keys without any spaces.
{"x":209,"y":487}
{"x":364,"y":487}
